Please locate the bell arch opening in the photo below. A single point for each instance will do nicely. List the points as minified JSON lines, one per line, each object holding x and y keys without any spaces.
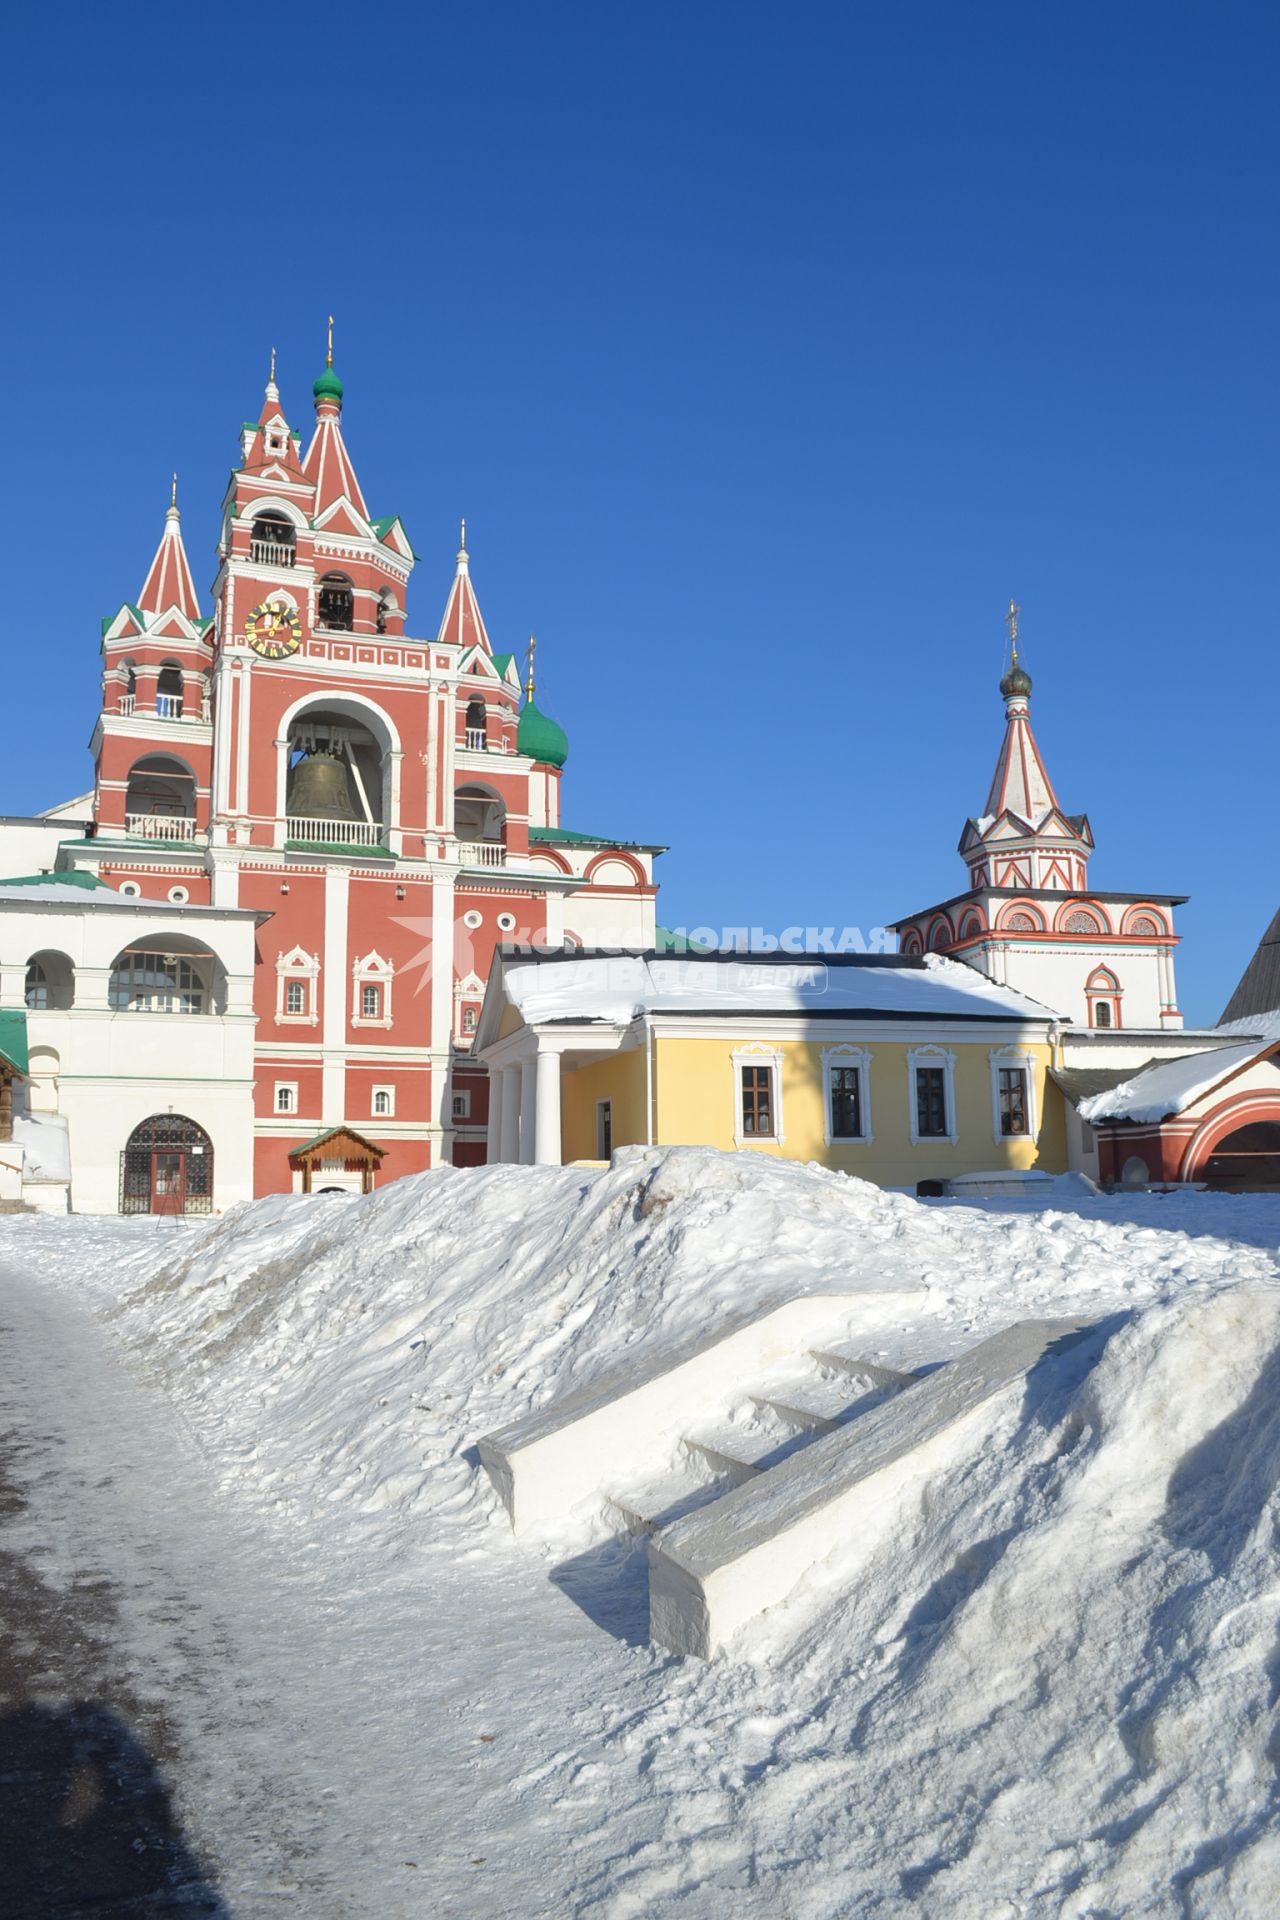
{"x":339,"y":761}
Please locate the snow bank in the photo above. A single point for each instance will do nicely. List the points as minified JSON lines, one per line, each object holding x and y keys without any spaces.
{"x":1047,"y":1691}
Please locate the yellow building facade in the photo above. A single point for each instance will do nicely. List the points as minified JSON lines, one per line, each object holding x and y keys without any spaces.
{"x":909,"y":1073}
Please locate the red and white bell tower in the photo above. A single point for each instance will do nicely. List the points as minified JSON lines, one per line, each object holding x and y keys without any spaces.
{"x":1029,"y":918}
{"x":391,"y":803}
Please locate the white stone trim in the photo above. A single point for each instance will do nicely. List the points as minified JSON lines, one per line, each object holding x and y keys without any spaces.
{"x":386,"y":1112}
{"x":932,"y":1056}
{"x":289,"y":1088}
{"x":1014,"y":1057}
{"x":757,"y":1055}
{"x":296,"y":965}
{"x":371,"y":971}
{"x":845,"y":1056}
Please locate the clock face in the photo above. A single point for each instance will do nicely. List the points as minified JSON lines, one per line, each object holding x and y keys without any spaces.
{"x":273,"y":630}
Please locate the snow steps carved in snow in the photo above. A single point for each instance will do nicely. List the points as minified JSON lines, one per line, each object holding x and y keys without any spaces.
{"x":737,"y":1510}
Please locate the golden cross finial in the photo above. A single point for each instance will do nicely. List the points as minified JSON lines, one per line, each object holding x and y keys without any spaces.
{"x":1011,"y":621}
{"x":273,"y":366}
{"x":462,"y":542}
{"x":329,"y":356}
{"x":173,"y":492}
{"x":528,"y":687}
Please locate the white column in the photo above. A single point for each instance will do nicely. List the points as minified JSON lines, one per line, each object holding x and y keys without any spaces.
{"x":547,"y":1127}
{"x":528,"y":1108}
{"x":509,"y":1138}
{"x":493,"y":1146}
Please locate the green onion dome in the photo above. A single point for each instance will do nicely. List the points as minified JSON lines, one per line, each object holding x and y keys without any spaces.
{"x":328,"y":387}
{"x":1016,"y":682}
{"x":540,"y":737}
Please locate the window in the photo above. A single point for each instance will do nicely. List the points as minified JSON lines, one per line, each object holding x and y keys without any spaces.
{"x":604,"y":1129}
{"x":1013,"y":1100}
{"x":297,"y":986}
{"x":475,"y":734}
{"x":146,"y":982}
{"x":371,"y":1002}
{"x":1102,"y":1013}
{"x":757,"y":1094}
{"x":757,"y":1102}
{"x":469,"y":1016}
{"x":846,"y":1103}
{"x":506,"y":923}
{"x":384,"y":1102}
{"x":1102,"y":998}
{"x":931,"y":1094}
{"x":37,"y":988}
{"x":286,"y":1097}
{"x":179,"y":896}
{"x":462,"y":1105}
{"x":335,"y":603}
{"x":931,"y":1103}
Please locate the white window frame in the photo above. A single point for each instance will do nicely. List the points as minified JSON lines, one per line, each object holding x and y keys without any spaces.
{"x":1014,"y":1057}
{"x":860,"y":1058}
{"x":758,"y":1056}
{"x":932,"y":1056}
{"x":382,"y":1113}
{"x":371,"y":971}
{"x":460,"y":1103}
{"x":289,"y":1087}
{"x":294,"y":966}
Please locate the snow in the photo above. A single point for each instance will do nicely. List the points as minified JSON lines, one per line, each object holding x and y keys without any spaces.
{"x":620,"y":987}
{"x":48,"y":1146}
{"x":1048,"y":1689}
{"x":1169,"y":1087}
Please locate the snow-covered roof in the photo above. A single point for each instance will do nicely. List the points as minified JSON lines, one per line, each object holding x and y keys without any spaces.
{"x":1171,"y":1086}
{"x":618,"y":987}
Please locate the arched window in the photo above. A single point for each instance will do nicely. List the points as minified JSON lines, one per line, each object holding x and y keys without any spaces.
{"x":335,"y":603}
{"x":127,"y":676}
{"x":476,"y":736}
{"x":386,"y":609}
{"x":1102,"y":996}
{"x":940,"y":935}
{"x":148,"y":979}
{"x":273,"y":541}
{"x":160,"y":799}
{"x":169,"y":691}
{"x":1020,"y":922}
{"x":167,"y":1167}
{"x":480,"y":822}
{"x":50,"y":982}
{"x":1143,"y":926}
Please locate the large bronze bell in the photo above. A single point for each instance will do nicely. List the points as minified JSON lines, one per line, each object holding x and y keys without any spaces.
{"x":319,"y":789}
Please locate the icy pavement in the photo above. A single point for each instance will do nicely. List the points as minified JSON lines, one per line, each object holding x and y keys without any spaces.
{"x":247,"y":1452}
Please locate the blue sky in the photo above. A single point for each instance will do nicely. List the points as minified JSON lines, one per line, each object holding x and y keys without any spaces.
{"x":767,"y":351}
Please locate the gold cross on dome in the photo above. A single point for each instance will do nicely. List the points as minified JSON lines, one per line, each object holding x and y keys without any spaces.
{"x":329,"y":356}
{"x":1011,"y":621}
{"x":528,"y":690}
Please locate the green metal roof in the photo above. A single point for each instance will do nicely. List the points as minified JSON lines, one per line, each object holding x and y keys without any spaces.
{"x":86,"y":880}
{"x":502,"y":661}
{"x":327,"y":846}
{"x":318,"y":1140}
{"x":13,"y":1039}
{"x":564,"y":837}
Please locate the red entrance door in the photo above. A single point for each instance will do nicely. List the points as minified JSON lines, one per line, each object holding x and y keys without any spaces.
{"x":168,"y":1181}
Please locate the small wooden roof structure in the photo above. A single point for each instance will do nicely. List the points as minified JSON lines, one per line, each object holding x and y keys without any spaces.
{"x":344,"y":1144}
